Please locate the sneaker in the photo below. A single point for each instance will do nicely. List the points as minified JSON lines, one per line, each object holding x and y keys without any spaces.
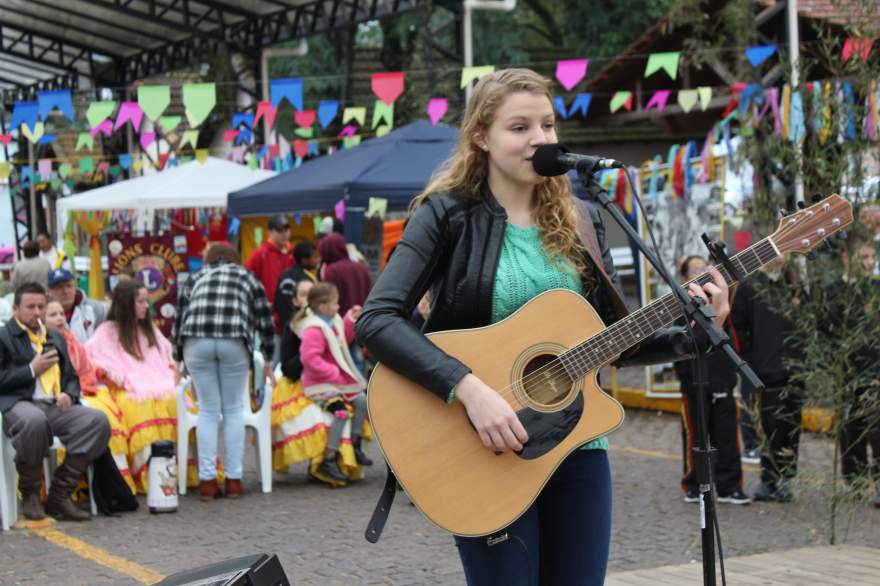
{"x":233,"y":488}
{"x":330,"y":469}
{"x":751,"y":457}
{"x":770,"y":494}
{"x":737,"y":497}
{"x":208,"y":489}
{"x":692,"y":495}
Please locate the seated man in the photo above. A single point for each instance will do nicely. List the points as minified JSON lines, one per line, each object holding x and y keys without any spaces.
{"x":39,"y":398}
{"x":84,"y":315}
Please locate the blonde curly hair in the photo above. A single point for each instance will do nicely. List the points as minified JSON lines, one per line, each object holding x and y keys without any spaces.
{"x":466,"y":170}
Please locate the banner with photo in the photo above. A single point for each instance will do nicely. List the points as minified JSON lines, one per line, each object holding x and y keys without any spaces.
{"x":155,"y":262}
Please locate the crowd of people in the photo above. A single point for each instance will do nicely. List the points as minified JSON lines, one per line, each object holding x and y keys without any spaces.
{"x":769,"y":422}
{"x":302,"y":302}
{"x":103,"y":378}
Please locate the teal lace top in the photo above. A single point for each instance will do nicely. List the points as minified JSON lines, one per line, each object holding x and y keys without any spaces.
{"x":525,"y":270}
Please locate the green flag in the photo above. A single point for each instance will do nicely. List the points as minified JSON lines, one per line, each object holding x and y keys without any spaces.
{"x":99,"y":111}
{"x":668,"y":62}
{"x":383,"y":113}
{"x":198,"y":100}
{"x":153,"y":99}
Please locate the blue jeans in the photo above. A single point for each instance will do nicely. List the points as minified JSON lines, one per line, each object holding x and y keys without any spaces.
{"x":219,"y":369}
{"x":565,"y":534}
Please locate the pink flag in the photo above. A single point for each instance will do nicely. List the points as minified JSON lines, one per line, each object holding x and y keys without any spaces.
{"x":105,"y":128}
{"x":129,"y":111}
{"x":300,"y":148}
{"x":147,"y":138}
{"x":348,"y":131}
{"x":570,"y":72}
{"x":103,"y":167}
{"x":339,"y":209}
{"x":229,"y":135}
{"x":437,"y":109}
{"x":305,"y":118}
{"x":860,"y":47}
{"x":267,"y":112}
{"x":387,"y":86}
{"x":658,"y":100}
{"x":5,"y":139}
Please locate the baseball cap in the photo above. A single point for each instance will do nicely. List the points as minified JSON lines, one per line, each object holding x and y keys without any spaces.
{"x":59,"y":276}
{"x":278,"y":223}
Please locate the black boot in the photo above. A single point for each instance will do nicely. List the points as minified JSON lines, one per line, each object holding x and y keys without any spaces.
{"x":330,"y":469}
{"x":29,"y":482}
{"x":66,"y":478}
{"x":359,"y":454}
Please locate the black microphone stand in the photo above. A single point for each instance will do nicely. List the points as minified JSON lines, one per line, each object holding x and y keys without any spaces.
{"x":695,"y":311}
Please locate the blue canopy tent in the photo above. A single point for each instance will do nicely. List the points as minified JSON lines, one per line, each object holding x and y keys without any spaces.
{"x":395,"y":167}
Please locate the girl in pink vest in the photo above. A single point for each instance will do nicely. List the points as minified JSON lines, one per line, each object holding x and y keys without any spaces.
{"x":330,"y":376}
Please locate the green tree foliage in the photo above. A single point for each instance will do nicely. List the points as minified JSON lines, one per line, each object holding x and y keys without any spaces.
{"x":836,"y":318}
{"x":601,"y":28}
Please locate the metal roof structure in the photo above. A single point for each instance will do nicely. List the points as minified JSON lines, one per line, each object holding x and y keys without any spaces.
{"x":55,"y":44}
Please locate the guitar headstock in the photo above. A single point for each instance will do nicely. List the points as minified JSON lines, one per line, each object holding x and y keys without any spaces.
{"x":803,"y":231}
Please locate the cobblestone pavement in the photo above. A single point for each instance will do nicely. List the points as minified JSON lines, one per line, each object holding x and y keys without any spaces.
{"x":317,"y":532}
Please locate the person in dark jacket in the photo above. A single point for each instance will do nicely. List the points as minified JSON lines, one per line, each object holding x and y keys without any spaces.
{"x":720,"y":415}
{"x":351,"y":278}
{"x":851,"y":314}
{"x":763,"y":335}
{"x":306,"y":258}
{"x":39,"y":398}
{"x":486,"y":236}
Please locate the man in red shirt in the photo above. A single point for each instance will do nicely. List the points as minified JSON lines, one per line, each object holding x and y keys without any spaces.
{"x":271,"y":259}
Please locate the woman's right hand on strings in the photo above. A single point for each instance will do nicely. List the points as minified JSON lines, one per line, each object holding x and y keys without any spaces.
{"x":493,"y":418}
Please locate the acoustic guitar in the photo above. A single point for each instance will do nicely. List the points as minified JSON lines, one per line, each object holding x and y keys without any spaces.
{"x":543,"y":360}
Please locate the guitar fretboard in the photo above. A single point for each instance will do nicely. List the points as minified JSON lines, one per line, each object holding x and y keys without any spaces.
{"x":605,"y":347}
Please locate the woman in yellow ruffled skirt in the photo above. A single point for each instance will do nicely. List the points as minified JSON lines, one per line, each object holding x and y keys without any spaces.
{"x":135,"y":381}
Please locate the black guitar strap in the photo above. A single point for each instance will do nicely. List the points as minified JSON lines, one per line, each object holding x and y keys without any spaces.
{"x":383,"y":507}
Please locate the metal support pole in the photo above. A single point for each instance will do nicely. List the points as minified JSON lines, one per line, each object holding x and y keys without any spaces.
{"x":794,"y":56}
{"x":300,"y":51}
{"x":467,"y":29}
{"x":35,"y":225}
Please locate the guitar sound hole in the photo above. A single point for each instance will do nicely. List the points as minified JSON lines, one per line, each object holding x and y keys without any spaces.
{"x":545,"y":381}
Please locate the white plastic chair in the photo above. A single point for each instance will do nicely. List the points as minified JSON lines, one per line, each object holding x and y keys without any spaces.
{"x":9,"y":485}
{"x":260,"y":421}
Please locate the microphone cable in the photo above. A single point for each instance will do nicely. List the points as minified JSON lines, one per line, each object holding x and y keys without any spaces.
{"x":699,"y":370}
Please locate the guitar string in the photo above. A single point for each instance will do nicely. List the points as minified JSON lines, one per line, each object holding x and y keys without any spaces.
{"x":619,"y":340}
{"x":617,"y":333}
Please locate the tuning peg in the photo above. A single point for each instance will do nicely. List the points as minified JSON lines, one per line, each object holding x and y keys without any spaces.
{"x":782,"y":212}
{"x":801,"y":205}
{"x":817,"y":197}
{"x":811,"y":255}
{"x":830,"y":244}
{"x":842,"y":235}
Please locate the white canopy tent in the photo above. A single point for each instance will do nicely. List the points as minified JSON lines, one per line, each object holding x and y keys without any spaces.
{"x":191,"y":185}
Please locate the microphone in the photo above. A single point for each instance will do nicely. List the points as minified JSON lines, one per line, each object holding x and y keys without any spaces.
{"x":550,"y":160}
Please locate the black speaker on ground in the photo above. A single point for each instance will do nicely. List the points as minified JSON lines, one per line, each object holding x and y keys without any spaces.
{"x":253,"y":570}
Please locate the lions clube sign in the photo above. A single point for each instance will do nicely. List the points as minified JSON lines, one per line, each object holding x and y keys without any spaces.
{"x":155,"y":263}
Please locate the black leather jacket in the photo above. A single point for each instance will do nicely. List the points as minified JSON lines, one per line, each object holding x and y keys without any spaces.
{"x":451,"y":246}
